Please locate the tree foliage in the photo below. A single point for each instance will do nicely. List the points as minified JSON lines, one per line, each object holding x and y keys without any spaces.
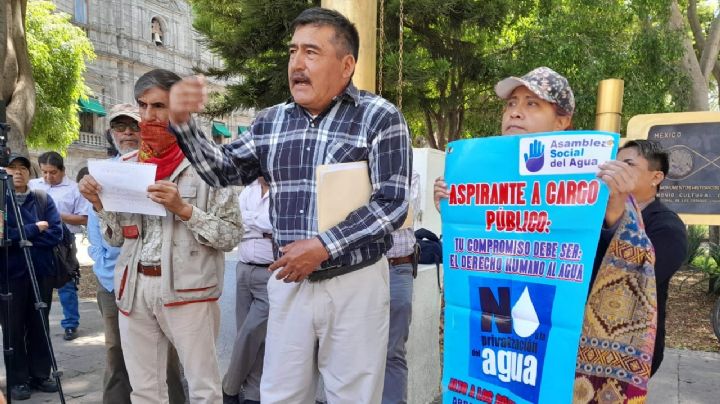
{"x":251,"y":36}
{"x":699,"y":27}
{"x":450,"y":60}
{"x":591,"y":40}
{"x":58,"y":52}
{"x":456,"y":50}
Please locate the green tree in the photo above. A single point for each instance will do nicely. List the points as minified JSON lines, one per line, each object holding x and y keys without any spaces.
{"x":251,"y":37}
{"x":44,"y":56}
{"x":58,"y":53}
{"x":586,"y":40}
{"x":701,"y":45}
{"x":455,"y":51}
{"x":450,"y":61}
{"x":445,"y":64}
{"x":591,"y":40}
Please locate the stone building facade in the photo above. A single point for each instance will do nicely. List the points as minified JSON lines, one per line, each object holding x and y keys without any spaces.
{"x":132,"y":37}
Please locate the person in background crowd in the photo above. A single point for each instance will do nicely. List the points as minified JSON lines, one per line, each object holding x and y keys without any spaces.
{"x":73,"y":212}
{"x":29,"y":366}
{"x":403,"y":263}
{"x":251,"y":298}
{"x":124,"y":137}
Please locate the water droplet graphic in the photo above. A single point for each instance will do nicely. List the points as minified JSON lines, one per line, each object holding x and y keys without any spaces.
{"x":525,"y":319}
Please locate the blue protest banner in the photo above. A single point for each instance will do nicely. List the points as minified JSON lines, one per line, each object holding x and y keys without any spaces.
{"x":520,"y":229}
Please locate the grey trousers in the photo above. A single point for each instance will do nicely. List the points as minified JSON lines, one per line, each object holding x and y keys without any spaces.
{"x":396,"y":370}
{"x":251,"y":315}
{"x":116,"y":384}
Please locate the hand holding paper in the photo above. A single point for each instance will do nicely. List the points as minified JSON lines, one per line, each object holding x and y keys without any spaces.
{"x":90,"y":190}
{"x":123,"y":186}
{"x":166,"y":193}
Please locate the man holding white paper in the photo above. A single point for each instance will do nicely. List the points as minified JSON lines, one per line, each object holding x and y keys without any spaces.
{"x":169,"y":274}
{"x":330,"y":290}
{"x":124,"y":136}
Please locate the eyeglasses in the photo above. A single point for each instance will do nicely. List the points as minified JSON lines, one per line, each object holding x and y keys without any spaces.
{"x":122,"y":127}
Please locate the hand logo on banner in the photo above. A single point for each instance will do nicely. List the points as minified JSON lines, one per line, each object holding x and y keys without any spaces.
{"x":535,"y":161}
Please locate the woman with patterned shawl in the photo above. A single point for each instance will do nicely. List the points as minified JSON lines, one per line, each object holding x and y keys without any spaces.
{"x":542,"y":101}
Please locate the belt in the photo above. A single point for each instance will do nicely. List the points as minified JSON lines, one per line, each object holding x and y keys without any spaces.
{"x":149,"y":270}
{"x":337,"y":271}
{"x":402,"y":260}
{"x":256,"y":265}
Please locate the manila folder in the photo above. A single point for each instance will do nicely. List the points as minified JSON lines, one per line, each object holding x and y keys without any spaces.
{"x":341,"y":189}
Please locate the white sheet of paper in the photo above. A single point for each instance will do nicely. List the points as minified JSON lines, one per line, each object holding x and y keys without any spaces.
{"x":124,"y":186}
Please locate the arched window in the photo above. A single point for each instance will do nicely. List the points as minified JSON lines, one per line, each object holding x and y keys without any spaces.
{"x":157,"y":31}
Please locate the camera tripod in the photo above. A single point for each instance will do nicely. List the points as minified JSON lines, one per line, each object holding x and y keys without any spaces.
{"x":7,"y":189}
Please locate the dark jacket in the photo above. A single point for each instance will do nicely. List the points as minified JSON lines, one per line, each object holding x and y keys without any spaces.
{"x":42,"y":242}
{"x":669,"y":238}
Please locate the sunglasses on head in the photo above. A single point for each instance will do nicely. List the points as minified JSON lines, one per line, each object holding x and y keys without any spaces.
{"x":122,"y":127}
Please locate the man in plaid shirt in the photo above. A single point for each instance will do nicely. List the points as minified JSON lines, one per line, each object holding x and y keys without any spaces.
{"x":329,"y":297}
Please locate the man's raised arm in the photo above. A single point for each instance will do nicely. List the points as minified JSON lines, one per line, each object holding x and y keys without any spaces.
{"x":218,"y":165}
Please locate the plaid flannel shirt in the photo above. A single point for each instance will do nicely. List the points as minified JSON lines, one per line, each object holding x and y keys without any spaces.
{"x":285,"y":144}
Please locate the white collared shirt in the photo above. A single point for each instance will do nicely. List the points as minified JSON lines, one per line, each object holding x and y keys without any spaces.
{"x":66,"y":196}
{"x":404,"y":239}
{"x":255,"y":209}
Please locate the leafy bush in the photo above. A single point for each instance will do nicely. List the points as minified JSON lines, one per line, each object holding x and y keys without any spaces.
{"x":714,"y":253}
{"x":714,"y":273}
{"x":695,"y":236}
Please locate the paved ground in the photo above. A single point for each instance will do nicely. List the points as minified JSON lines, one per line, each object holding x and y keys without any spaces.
{"x":82,"y":361}
{"x":686,"y":377}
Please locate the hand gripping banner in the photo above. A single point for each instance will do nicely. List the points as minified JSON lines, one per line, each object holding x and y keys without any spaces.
{"x":520,"y":230}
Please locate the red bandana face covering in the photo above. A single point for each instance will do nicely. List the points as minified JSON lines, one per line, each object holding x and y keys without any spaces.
{"x":159,"y":146}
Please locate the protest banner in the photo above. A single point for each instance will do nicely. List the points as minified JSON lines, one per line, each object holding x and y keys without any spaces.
{"x":520,"y":230}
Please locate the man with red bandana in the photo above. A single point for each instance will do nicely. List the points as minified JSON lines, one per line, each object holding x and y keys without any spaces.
{"x":169,"y":275}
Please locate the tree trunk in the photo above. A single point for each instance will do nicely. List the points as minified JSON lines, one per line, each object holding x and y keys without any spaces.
{"x":441,"y":132}
{"x":429,"y":131}
{"x":3,"y":38}
{"x":699,"y":70}
{"x":17,"y":86}
{"x":443,"y":126}
{"x":714,"y":234}
{"x":699,"y":94}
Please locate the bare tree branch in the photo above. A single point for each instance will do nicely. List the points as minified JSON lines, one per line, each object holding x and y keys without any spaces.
{"x":694,"y":21}
{"x":712,"y":47}
{"x":699,"y":92}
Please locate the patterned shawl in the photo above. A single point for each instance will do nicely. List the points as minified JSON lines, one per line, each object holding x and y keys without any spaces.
{"x":618,"y":335}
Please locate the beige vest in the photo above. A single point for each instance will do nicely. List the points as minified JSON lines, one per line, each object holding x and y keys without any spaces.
{"x":191,"y":272}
